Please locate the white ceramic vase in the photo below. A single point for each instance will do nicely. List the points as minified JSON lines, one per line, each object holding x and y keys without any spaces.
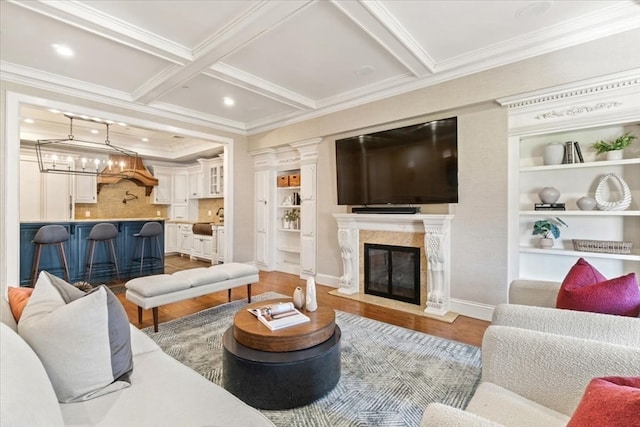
{"x":311,"y":303}
{"x":298,"y":298}
{"x":553,"y":153}
{"x":586,"y":203}
{"x":549,"y":195}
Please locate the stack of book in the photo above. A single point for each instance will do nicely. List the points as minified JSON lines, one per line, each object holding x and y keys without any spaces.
{"x":549,"y":206}
{"x":572,"y":153}
{"x":278,"y":316}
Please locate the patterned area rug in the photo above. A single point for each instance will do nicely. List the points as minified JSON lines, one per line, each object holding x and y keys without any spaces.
{"x":388,"y":376}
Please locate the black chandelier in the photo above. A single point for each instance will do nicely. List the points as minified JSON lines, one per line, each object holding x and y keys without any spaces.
{"x":65,"y":155}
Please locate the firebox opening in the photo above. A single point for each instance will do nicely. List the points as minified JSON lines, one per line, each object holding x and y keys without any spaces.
{"x":392,"y":272}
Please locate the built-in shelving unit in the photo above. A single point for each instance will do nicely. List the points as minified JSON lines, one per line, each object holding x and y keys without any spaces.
{"x":596,"y":110}
{"x":285,"y":182}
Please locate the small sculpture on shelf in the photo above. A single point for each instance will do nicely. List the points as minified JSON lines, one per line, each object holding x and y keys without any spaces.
{"x":548,"y":229}
{"x":291,"y":219}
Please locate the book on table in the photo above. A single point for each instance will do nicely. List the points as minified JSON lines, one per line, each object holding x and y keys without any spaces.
{"x":278,"y":316}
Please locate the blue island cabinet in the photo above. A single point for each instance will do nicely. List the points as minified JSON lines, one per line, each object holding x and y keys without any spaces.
{"x":77,"y":249}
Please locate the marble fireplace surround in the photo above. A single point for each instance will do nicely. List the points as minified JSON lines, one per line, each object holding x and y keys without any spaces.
{"x":430,"y":232}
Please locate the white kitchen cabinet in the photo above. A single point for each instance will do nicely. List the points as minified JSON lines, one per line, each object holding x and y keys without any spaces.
{"x":220,"y":245}
{"x":185,"y":239}
{"x":86,"y":189}
{"x":202,"y":247}
{"x":213,"y":174}
{"x":44,"y":196}
{"x":162,"y":193}
{"x":595,"y":111}
{"x":196,"y":181}
{"x":180,"y":188}
{"x":170,"y":238}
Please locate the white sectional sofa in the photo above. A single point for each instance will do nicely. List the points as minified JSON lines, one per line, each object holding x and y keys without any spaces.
{"x":536,"y":364}
{"x":163,"y":392}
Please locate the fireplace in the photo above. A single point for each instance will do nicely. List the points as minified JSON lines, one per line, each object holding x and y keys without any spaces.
{"x":392,"y":272}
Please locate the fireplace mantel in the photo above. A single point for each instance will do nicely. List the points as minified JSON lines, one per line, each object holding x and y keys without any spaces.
{"x":436,"y":229}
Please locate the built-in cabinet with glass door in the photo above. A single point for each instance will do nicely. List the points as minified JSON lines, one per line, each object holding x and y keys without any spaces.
{"x":285,"y":205}
{"x":599,"y":110}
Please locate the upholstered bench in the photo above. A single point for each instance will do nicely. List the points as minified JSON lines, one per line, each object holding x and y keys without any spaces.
{"x":156,"y":290}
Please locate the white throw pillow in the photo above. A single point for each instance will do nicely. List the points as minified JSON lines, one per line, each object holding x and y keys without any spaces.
{"x":83,"y":339}
{"x":27,"y":398}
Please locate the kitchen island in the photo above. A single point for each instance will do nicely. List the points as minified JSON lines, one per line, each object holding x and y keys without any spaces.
{"x":76,"y":249}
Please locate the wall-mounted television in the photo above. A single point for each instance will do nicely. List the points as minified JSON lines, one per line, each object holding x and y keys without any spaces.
{"x":411,"y":165}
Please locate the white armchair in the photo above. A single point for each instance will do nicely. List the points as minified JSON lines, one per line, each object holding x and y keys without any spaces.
{"x":534,"y":378}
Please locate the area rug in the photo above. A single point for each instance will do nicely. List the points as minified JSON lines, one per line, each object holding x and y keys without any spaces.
{"x":388,"y":377}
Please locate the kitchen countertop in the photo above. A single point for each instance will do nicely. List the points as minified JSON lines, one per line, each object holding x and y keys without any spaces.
{"x":67,"y":220}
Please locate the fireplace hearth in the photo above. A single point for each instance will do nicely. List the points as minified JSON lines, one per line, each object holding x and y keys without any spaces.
{"x":392,"y":272}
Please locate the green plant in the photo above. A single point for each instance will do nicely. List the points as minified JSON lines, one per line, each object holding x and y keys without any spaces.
{"x":619,"y":143}
{"x":548,"y":228}
{"x":292,"y":215}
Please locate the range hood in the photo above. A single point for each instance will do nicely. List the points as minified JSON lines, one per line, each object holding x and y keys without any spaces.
{"x":132,"y":169}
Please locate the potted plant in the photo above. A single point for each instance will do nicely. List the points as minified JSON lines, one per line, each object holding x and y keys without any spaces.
{"x":614,"y":148}
{"x":291,"y":218}
{"x":548,"y":229}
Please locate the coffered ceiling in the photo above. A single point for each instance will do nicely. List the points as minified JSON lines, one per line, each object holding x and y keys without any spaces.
{"x":279,"y":61}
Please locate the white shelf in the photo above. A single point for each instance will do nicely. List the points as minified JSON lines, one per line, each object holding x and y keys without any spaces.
{"x":289,"y":207}
{"x":597,"y":164}
{"x":579,"y":213}
{"x":635,"y":256}
{"x":290,"y":230}
{"x":289,"y":188}
{"x":290,"y":249}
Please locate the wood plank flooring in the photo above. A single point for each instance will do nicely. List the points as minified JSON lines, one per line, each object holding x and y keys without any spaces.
{"x":464,"y":329}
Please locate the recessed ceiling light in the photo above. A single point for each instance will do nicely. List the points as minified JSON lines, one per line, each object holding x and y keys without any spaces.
{"x":93,"y":131}
{"x":228,"y":101}
{"x":54,"y":111}
{"x":365,"y":70}
{"x":29,"y":121}
{"x":145,"y":139}
{"x":63,"y":50}
{"x":122,"y":124}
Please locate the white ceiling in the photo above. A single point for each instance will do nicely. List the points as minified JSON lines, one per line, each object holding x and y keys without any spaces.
{"x":281,"y":61}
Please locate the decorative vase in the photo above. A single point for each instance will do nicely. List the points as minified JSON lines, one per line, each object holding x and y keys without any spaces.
{"x":603,"y":190}
{"x":549,"y":195}
{"x":586,"y":203}
{"x":614,"y":155}
{"x":553,"y":153}
{"x":311,"y":303}
{"x":298,"y":298}
{"x":545,"y":243}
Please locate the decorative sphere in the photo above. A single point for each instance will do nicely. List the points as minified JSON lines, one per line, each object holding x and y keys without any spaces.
{"x":549,"y":195}
{"x":586,"y":203}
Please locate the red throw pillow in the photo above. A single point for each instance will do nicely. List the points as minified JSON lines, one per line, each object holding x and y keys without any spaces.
{"x":609,"y":401}
{"x":18,"y":298}
{"x":585,"y":289}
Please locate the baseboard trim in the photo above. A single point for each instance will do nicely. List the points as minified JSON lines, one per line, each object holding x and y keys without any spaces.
{"x":472,"y":309}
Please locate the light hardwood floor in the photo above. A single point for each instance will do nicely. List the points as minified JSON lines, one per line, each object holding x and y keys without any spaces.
{"x":464,"y":329}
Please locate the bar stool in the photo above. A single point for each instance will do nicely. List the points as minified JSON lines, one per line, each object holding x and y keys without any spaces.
{"x":149,"y":231}
{"x":103,"y":232}
{"x":50,"y":235}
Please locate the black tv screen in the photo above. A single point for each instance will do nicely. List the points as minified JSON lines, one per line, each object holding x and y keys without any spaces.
{"x":415,"y":164}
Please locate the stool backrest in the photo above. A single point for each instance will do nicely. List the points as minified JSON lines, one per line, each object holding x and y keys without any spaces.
{"x":103,"y":231}
{"x":49,"y":234}
{"x":151,"y":229}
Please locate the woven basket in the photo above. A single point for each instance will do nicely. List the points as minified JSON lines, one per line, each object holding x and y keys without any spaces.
{"x":603,"y":246}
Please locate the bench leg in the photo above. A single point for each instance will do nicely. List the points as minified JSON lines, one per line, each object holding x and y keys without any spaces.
{"x":139,"y":315}
{"x":228,"y":295}
{"x":155,"y":319}
{"x":249,"y":292}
